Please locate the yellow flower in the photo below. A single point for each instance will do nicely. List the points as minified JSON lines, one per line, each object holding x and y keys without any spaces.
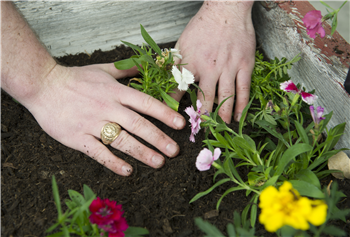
{"x":286,"y":207}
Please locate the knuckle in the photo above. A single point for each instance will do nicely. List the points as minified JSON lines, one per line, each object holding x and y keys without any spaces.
{"x":97,"y":153}
{"x":121,"y":140}
{"x":147,"y":102}
{"x":137,"y":123}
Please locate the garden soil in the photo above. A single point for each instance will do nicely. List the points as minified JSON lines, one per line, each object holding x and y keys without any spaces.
{"x":156,"y":199}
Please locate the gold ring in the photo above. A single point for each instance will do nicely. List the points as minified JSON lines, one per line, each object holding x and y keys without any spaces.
{"x":110,"y":132}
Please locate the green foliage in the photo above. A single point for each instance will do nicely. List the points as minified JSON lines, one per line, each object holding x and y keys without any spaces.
{"x":76,"y":219}
{"x":156,"y":77}
{"x":267,"y":76}
{"x":299,"y":156}
{"x":237,"y":229}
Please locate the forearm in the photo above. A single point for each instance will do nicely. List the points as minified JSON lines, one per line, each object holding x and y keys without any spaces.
{"x":25,"y":63}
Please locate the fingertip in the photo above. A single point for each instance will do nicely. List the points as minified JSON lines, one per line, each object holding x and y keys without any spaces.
{"x":126,"y":170}
{"x":179,"y":122}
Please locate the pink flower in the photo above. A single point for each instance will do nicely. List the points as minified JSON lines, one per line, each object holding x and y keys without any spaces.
{"x":206,"y":158}
{"x":195,"y":119}
{"x":108,"y":216}
{"x":319,"y":112}
{"x":313,"y":23}
{"x":289,"y":86}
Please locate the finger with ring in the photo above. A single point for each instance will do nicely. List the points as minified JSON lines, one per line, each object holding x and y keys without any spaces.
{"x":110,"y":132}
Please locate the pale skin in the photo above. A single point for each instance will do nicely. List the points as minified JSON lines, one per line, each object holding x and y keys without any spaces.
{"x":218,"y":46}
{"x":73,"y":104}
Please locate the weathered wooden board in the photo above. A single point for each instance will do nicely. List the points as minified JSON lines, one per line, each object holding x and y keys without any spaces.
{"x":281,"y":33}
{"x":75,"y":26}
{"x":78,"y":26}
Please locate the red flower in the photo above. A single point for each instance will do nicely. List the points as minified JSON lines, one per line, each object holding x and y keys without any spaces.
{"x":313,"y":23}
{"x":108,"y":216}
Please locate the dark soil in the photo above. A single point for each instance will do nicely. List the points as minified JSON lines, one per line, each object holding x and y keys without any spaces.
{"x":155,"y":199}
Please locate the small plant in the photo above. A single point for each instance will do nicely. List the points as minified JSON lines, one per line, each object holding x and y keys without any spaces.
{"x":159,"y":75}
{"x":90,"y":216}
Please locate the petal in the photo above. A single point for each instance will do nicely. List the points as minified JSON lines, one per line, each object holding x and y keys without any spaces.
{"x":311,"y":33}
{"x":321,"y":31}
{"x":191,"y":112}
{"x":199,"y":105}
{"x":312,"y":18}
{"x":202,"y":167}
{"x":289,"y":86}
{"x":204,"y":160}
{"x":192,"y":138}
{"x":308,"y":98}
{"x":187,"y":76}
{"x":176,"y":53}
{"x":217,"y":153}
{"x":96,"y":205}
{"x":320,"y":111}
{"x":177,"y":74}
{"x":312,"y":112}
{"x":183,"y":86}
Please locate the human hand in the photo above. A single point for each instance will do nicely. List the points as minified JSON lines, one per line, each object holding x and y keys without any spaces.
{"x":77,"y":102}
{"x":218,"y":46}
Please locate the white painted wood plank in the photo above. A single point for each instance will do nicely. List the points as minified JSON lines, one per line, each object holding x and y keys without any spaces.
{"x":75,"y":26}
{"x":278,"y":35}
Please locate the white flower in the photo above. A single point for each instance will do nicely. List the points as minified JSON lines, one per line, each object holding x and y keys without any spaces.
{"x":176,"y":53}
{"x":183,"y":79}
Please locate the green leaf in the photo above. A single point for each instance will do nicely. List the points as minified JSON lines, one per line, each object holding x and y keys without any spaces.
{"x":170,"y":101}
{"x":207,"y":228}
{"x":135,"y":48}
{"x":230,"y":230}
{"x":70,"y":204}
{"x":76,"y":197}
{"x":254,"y":210}
{"x":271,"y":129}
{"x":333,"y":231}
{"x":307,"y":189}
{"x":308,"y":176}
{"x":201,"y":194}
{"x":301,"y":132}
{"x":125,"y":64}
{"x":88,"y":193}
{"x":244,"y":113}
{"x":334,"y":24}
{"x":56,"y":197}
{"x":150,"y":41}
{"x":289,"y":155}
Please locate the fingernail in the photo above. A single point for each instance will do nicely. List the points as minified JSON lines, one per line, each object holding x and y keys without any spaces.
{"x":238,"y":117}
{"x":157,"y":161}
{"x":179,"y":122}
{"x":172,"y":149}
{"x":127,"y":170}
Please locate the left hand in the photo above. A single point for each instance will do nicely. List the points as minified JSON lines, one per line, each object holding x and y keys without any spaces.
{"x":218,"y":47}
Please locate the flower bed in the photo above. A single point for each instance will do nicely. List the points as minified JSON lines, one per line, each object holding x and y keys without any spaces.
{"x":155,"y":199}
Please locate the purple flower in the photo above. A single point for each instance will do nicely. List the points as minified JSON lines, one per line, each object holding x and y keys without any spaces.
{"x":313,"y":23}
{"x":195,"y":119}
{"x":289,"y":86}
{"x":318,"y":116}
{"x":206,"y":158}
